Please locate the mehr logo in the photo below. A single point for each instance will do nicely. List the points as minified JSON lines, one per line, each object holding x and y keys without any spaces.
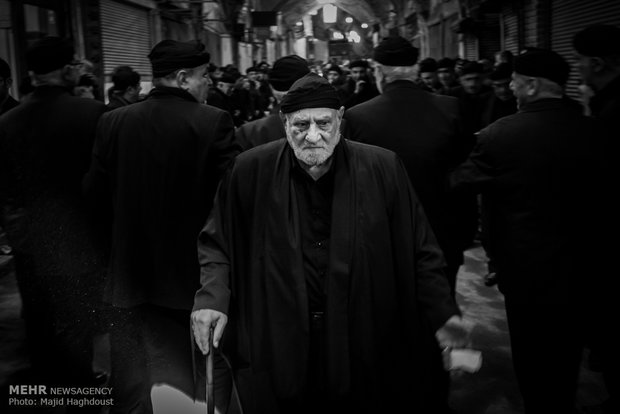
{"x":27,"y":390}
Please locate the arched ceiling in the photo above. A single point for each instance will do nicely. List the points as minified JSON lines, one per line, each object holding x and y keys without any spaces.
{"x":365,"y":11}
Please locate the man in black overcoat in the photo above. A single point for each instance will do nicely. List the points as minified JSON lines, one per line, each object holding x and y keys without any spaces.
{"x":284,"y":73}
{"x":319,"y":258}
{"x":45,"y":146}
{"x":539,"y":170}
{"x":598,"y":61}
{"x":425,"y":130}
{"x":161,"y":159}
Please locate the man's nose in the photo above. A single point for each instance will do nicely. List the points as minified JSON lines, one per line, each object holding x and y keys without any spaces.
{"x":313,"y":134}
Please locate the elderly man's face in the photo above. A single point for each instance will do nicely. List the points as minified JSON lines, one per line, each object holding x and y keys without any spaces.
{"x":313,"y":133}
{"x":198,"y":82}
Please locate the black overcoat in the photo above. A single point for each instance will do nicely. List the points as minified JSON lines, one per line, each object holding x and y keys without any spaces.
{"x":425,"y":130}
{"x":162,"y":159}
{"x":386,"y":293}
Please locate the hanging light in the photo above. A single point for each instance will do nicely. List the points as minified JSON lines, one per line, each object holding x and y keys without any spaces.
{"x":349,"y":19}
{"x":364,"y":25}
{"x":330,"y":13}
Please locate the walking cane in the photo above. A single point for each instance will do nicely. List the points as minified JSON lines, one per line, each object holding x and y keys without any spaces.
{"x":210,"y":392}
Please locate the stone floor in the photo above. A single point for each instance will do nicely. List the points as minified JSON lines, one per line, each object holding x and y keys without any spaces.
{"x":492,"y":390}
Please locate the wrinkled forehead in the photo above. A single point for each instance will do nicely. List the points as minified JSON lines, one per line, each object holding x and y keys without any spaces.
{"x":323,"y":114}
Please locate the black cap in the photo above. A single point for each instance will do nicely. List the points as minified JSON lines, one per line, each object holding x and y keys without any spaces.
{"x":543,"y":64}
{"x":445,"y":64}
{"x":311,"y":91}
{"x":501,"y":71}
{"x":471,"y":67}
{"x":359,"y":64}
{"x":598,"y":41}
{"x":170,"y":55}
{"x":227,"y":78}
{"x":428,"y":65}
{"x":286,"y":71}
{"x":48,"y":54}
{"x":396,"y":51}
{"x":333,"y":68}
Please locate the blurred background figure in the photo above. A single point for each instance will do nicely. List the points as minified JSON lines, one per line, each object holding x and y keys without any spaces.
{"x":125,"y":89}
{"x":428,"y":75}
{"x":503,"y":56}
{"x":446,"y":75}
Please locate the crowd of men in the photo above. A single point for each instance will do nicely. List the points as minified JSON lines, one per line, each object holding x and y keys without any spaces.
{"x":312,"y":225}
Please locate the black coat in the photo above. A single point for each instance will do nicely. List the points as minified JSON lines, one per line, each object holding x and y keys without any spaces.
{"x":45,"y":146}
{"x":541,"y":172}
{"x":424,"y":129}
{"x":162,"y":159}
{"x":260,"y":131}
{"x":385,"y":290}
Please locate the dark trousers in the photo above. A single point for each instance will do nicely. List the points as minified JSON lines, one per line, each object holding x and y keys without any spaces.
{"x":149,"y":345}
{"x":547,"y":346}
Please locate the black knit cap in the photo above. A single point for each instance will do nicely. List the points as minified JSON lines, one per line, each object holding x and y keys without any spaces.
{"x":395,"y":51}
{"x":359,"y":64}
{"x":428,"y":65}
{"x":170,"y":55}
{"x":286,"y":71}
{"x":501,"y":71}
{"x":48,"y":54}
{"x":543,"y":64}
{"x":311,"y":91}
{"x":598,"y":41}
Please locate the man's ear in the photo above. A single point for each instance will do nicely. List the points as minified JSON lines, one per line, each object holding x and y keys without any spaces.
{"x":341,"y":113}
{"x":283,"y":118}
{"x":181,"y":78}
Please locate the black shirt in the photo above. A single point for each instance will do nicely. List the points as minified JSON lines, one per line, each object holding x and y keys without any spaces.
{"x":314,"y":199}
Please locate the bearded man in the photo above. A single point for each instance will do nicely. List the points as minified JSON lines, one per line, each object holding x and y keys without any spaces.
{"x":320,"y":274}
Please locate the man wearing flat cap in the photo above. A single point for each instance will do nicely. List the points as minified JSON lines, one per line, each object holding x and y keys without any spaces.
{"x":320,"y":274}
{"x":284,"y":73}
{"x":45,"y":146}
{"x":539,"y":169}
{"x":598,"y":61}
{"x":160,"y":160}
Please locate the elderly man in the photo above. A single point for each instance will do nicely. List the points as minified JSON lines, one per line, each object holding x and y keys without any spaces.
{"x":284,"y":73}
{"x":539,"y":169}
{"x":319,"y":258}
{"x":437,"y":146}
{"x":598,"y":62}
{"x":45,"y":146}
{"x":161,"y":160}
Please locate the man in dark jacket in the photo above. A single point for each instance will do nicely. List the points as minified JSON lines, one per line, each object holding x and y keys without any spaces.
{"x":598,"y":62}
{"x":539,"y":169}
{"x":318,"y":251}
{"x":360,"y":88}
{"x":162,"y":160}
{"x":45,"y":146}
{"x":284,"y":73}
{"x":425,"y":130}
